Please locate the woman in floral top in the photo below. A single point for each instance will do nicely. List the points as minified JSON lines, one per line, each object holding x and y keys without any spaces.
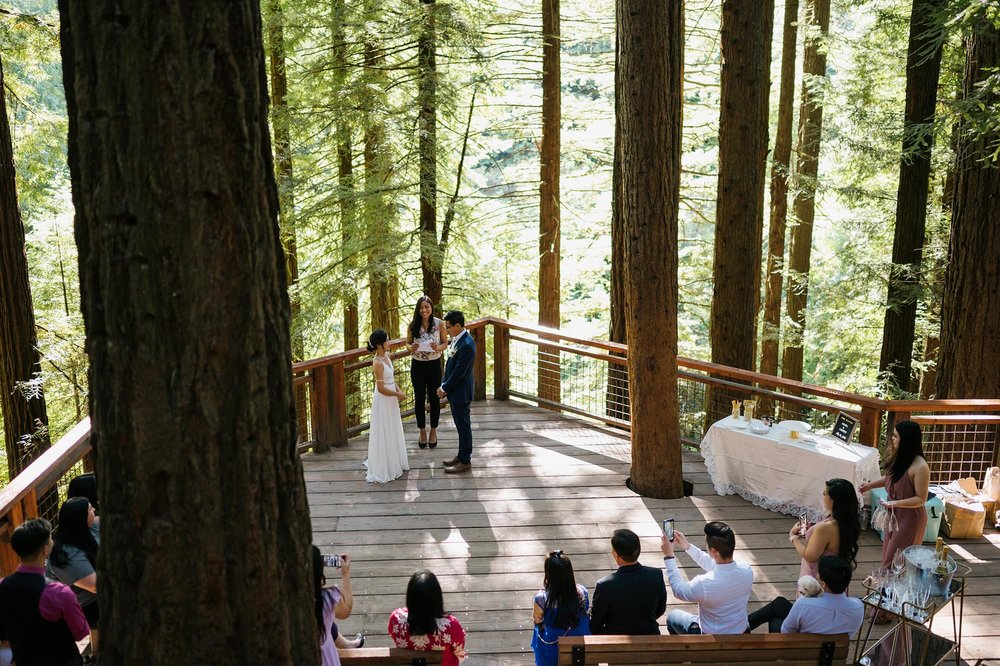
{"x":423,"y":624}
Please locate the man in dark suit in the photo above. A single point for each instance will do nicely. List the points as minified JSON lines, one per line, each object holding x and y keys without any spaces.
{"x":630,"y":600}
{"x":457,"y":386}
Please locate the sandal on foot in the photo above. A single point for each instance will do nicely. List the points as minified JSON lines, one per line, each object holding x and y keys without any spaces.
{"x":422,"y":445}
{"x":433,"y":444}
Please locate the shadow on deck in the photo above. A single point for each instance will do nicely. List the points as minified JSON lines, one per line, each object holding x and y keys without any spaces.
{"x":543,"y":481}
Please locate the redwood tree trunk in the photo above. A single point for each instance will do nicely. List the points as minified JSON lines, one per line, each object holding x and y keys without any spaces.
{"x":549,"y":368}
{"x":923,"y":66}
{"x":205,"y":525}
{"x":807,"y":167}
{"x":648,"y":85}
{"x":780,"y":163}
{"x":970,"y":319}
{"x":431,"y":259}
{"x":746,"y":61}
{"x":25,"y":423}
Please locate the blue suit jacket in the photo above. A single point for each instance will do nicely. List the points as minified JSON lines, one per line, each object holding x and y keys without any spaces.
{"x":458,"y":380}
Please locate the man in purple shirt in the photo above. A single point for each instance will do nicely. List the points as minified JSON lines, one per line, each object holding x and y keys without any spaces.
{"x":41,"y":619}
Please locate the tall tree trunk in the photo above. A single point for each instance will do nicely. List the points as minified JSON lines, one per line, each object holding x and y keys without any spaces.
{"x":616,"y":399}
{"x":203,"y":503}
{"x":780,"y":167}
{"x":739,"y":215}
{"x":923,"y":66}
{"x":383,"y":284}
{"x":25,"y":422}
{"x":970,"y":320}
{"x":549,"y":294}
{"x":281,"y":122}
{"x":648,"y":85}
{"x":807,"y":167}
{"x":430,"y":258}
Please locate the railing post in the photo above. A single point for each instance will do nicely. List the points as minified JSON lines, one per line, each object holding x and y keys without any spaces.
{"x":479,"y":367}
{"x":501,"y":361}
{"x":329,"y":411}
{"x":871,"y":423}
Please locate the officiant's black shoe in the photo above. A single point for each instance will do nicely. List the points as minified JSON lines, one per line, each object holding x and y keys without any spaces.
{"x":449,"y":463}
{"x":458,"y":468}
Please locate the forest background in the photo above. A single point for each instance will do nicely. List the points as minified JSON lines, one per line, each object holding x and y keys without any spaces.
{"x":356,"y":238}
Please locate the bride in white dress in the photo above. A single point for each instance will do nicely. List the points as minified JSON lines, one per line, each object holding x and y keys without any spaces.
{"x":386,"y":443}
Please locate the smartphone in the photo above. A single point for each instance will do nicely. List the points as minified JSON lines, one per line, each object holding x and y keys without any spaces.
{"x":668,"y":528}
{"x":332,"y":561}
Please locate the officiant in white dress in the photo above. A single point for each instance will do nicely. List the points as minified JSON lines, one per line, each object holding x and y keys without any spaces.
{"x":386,"y":444}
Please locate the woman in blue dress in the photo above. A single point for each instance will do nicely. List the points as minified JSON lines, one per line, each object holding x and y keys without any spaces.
{"x":561,"y":608}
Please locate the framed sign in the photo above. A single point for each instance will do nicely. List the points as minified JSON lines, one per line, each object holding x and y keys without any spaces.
{"x":844,"y":427}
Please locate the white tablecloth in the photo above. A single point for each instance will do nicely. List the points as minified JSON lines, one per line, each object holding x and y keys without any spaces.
{"x":778,"y":473}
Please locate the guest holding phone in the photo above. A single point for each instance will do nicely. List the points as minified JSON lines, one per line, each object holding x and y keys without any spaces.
{"x":426,"y":339}
{"x":836,"y":535}
{"x":331,"y":604}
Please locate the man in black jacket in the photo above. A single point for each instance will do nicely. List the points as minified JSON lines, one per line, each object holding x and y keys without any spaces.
{"x":630,"y":600}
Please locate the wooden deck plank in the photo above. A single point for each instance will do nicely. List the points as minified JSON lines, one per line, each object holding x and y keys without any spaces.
{"x":543,"y":481}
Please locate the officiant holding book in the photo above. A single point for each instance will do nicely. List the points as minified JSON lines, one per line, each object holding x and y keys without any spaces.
{"x":426,"y":339}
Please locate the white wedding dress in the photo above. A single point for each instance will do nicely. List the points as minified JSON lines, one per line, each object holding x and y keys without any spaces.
{"x":386,"y":443}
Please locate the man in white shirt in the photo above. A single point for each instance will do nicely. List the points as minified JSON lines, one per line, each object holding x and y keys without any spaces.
{"x":722,"y":592}
{"x":832,"y":612}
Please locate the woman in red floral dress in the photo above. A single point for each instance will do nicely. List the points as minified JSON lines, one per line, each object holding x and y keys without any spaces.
{"x":423,"y":625}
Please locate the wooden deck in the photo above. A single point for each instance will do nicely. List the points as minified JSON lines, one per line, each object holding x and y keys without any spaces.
{"x":543,"y":481}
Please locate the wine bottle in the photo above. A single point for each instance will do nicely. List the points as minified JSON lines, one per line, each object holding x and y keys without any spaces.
{"x":942,"y":565}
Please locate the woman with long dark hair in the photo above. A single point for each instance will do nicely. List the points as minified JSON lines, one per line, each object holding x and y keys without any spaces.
{"x":561,"y":609}
{"x":332,"y":603}
{"x":427,"y":339}
{"x":73,"y":560}
{"x":386,"y":443}
{"x":906,"y":482}
{"x":837,"y":535}
{"x":85,"y":485}
{"x":423,"y":625}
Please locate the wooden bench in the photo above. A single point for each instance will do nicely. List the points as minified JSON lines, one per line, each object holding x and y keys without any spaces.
{"x":760,"y":649}
{"x":384,"y":655}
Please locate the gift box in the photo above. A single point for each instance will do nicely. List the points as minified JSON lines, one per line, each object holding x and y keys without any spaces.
{"x":966,"y":509}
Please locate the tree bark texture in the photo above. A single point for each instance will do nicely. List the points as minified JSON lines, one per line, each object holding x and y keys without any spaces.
{"x":746,"y":60}
{"x":780,"y":168}
{"x":205,"y":524}
{"x":431,"y":259}
{"x":807,"y":168}
{"x":648,"y":86}
{"x":549,"y":291}
{"x":923,"y":67}
{"x":970,"y":319}
{"x":616,"y":400}
{"x":25,"y":422}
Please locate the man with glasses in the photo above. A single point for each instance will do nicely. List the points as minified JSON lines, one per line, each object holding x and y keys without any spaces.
{"x":457,"y":386}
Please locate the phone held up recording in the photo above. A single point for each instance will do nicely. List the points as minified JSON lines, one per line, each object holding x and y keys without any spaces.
{"x":332,"y":561}
{"x":668,"y":529}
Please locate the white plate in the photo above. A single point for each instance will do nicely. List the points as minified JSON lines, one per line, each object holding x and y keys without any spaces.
{"x":759,"y":431}
{"x":800,"y":426}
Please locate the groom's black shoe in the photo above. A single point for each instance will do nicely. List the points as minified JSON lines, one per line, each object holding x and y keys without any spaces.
{"x":453,"y":461}
{"x":458,"y":468}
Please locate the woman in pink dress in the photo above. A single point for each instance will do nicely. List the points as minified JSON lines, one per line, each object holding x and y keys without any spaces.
{"x":423,"y":625}
{"x":906,"y":483}
{"x":836,"y":535}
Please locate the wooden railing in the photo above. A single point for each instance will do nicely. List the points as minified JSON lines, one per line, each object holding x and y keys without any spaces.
{"x":590,"y":379}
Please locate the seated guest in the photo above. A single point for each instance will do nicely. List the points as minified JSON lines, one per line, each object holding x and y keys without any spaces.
{"x":560,"y":609}
{"x":630,"y":600}
{"x":832,"y":612}
{"x":722,"y":592}
{"x":42,"y":620}
{"x":423,"y":625}
{"x":836,"y":535}
{"x":74,"y":558}
{"x":332,"y":602}
{"x":85,"y":485}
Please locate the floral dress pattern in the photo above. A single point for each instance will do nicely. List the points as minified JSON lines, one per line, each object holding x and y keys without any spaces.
{"x":449,"y":637}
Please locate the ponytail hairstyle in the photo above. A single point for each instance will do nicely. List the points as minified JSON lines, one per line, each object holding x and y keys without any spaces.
{"x":377,"y":338}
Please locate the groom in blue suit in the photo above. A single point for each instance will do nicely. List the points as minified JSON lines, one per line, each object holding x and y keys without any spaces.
{"x":457,"y":386}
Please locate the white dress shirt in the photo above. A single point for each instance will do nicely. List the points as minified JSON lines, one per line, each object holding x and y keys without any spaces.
{"x":828,"y":613}
{"x":722,"y":592}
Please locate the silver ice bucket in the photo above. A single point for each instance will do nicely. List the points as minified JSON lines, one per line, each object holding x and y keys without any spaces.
{"x":921,"y":566}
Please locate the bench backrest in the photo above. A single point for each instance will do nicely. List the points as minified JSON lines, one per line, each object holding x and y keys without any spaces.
{"x":383,"y":655}
{"x":786,"y":649}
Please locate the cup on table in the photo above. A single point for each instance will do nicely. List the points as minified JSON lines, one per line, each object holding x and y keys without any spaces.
{"x":794,"y":434}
